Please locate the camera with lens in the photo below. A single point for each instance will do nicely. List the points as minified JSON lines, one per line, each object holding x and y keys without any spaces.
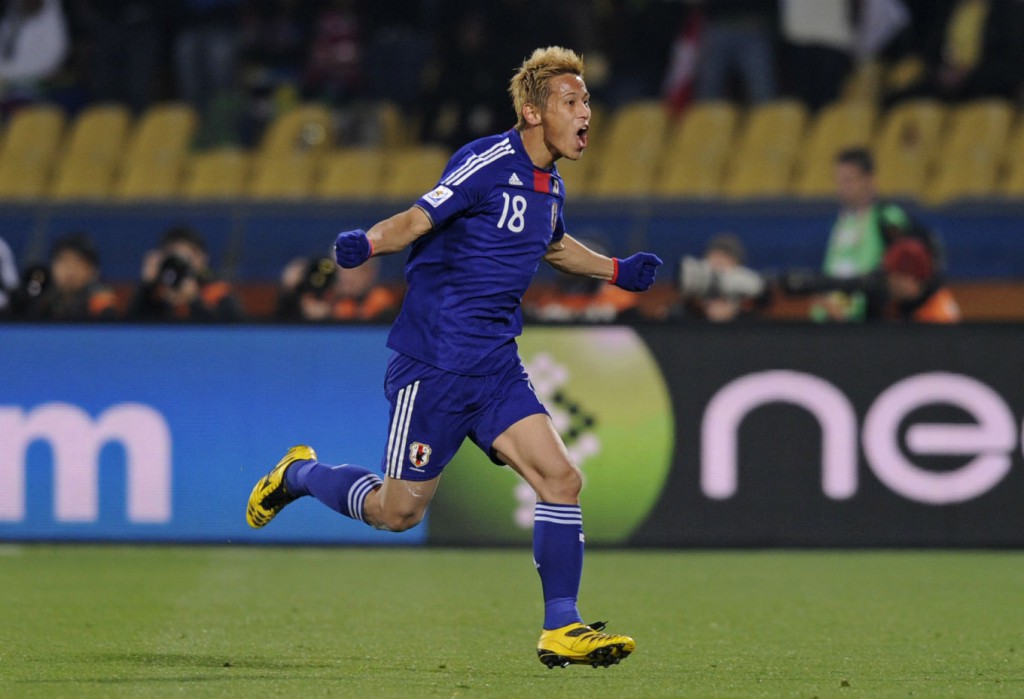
{"x":699,"y":279}
{"x":803,"y":282}
{"x":318,"y":277}
{"x":174,"y":270}
{"x":28,"y":298}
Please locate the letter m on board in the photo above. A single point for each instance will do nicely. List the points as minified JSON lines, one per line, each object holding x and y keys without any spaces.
{"x":76,"y":440}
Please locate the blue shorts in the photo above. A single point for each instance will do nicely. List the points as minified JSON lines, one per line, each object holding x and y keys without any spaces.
{"x":433,"y":411}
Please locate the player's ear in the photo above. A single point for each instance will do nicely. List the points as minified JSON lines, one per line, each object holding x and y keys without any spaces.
{"x":531,"y":114}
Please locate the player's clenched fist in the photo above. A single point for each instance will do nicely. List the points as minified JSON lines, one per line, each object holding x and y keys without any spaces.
{"x":636,"y":272}
{"x":352,"y":248}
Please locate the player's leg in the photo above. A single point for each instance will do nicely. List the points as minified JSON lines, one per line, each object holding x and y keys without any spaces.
{"x":424,"y":435}
{"x":534,"y":449}
{"x":343,"y":488}
{"x":516,"y":430}
{"x":399,"y":504}
{"x":350,"y":490}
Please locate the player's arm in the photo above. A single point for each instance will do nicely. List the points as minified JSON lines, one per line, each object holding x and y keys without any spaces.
{"x":573,"y":257}
{"x":353,"y":248}
{"x":634,"y":273}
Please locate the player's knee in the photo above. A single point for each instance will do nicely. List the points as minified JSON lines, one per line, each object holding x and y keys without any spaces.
{"x":564,"y":486}
{"x":399,"y":521}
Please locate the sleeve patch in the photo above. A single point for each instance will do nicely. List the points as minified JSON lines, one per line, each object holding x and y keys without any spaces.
{"x":438,"y":196}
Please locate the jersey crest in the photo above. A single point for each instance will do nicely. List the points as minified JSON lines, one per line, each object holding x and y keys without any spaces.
{"x":419,"y":454}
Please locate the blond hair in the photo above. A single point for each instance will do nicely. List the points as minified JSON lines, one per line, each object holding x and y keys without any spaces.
{"x":530,"y":84}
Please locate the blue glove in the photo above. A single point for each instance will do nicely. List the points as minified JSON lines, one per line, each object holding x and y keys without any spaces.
{"x":352,"y":248}
{"x":636,"y":272}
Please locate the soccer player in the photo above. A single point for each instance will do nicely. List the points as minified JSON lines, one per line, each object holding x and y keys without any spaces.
{"x":476,"y":241}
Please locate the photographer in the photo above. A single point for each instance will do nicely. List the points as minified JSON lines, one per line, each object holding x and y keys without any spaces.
{"x":915,"y":290}
{"x":315,"y":289}
{"x":69,"y":288}
{"x":717,"y":287}
{"x":178,"y":284}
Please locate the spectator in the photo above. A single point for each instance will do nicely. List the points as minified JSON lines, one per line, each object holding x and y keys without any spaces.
{"x":334,"y":72}
{"x":33,"y":44}
{"x":638,"y":37}
{"x":275,"y":39}
{"x":915,"y":289}
{"x":820,"y":38}
{"x":178,"y":284}
{"x":737,"y":42}
{"x":8,"y":277}
{"x":857,"y":241}
{"x":206,"y":50}
{"x":275,"y":36}
{"x":316,"y":290}
{"x":967,"y":49}
{"x":75,"y":291}
{"x":880,"y":23}
{"x":398,"y":52}
{"x":125,"y":40}
{"x":468,"y":101}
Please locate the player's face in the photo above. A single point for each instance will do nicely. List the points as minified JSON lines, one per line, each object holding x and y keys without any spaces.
{"x":566,"y":118}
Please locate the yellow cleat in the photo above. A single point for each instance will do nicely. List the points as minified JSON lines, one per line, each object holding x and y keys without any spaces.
{"x":579,"y":644}
{"x":270,"y":494}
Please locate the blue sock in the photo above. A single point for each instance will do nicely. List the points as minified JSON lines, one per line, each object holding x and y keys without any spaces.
{"x":342,"y":488}
{"x":558,"y":555}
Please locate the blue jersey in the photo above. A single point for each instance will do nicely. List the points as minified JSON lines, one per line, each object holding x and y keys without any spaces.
{"x":494,"y":215}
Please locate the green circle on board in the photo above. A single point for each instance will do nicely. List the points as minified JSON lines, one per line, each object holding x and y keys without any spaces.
{"x":609,"y":401}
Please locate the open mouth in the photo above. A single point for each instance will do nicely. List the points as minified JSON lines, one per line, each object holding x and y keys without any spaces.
{"x":581,"y":136}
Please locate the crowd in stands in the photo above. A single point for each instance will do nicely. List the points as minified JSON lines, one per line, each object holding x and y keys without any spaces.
{"x":444,"y":64}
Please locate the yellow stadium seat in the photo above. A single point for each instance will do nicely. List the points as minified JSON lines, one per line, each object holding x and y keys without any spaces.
{"x":153,"y":166}
{"x":972,"y":152}
{"x":91,"y":155}
{"x":840,"y":125}
{"x":394,"y":129}
{"x":413,"y":172}
{"x":694,"y":161}
{"x":216,"y":174}
{"x":630,"y":156}
{"x":1011,"y":182}
{"x":351,"y":173}
{"x":29,"y":151}
{"x":284,"y":176}
{"x":864,"y":83}
{"x":762,"y":162}
{"x":306,"y":128}
{"x":906,"y":147}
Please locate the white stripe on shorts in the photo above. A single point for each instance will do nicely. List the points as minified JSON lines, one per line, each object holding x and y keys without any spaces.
{"x":400,"y":429}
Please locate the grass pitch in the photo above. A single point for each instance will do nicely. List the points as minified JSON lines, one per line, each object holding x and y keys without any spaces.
{"x":90,"y":621}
